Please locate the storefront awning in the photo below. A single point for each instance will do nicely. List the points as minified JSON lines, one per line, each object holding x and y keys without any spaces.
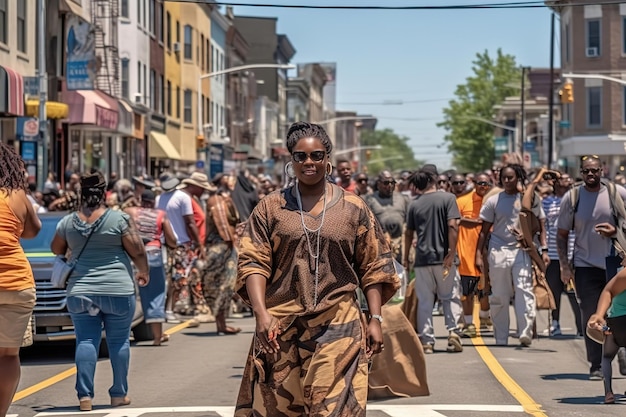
{"x":161,"y":147}
{"x":92,"y":107}
{"x":54,"y":110}
{"x":11,"y":92}
{"x":74,"y":7}
{"x":125,"y":119}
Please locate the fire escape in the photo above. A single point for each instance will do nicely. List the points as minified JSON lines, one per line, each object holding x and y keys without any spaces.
{"x":104,"y":17}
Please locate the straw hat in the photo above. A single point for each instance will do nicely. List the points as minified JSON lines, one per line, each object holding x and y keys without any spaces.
{"x":199,"y":180}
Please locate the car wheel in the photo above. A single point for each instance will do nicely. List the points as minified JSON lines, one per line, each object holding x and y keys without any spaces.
{"x":142,"y":332}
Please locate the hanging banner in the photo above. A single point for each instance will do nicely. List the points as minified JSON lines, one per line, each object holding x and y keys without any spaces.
{"x":82,"y":63}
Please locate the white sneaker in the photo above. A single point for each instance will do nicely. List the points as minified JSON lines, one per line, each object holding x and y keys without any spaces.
{"x":555,"y":329}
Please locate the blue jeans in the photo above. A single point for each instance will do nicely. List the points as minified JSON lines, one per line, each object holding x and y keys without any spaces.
{"x":153,"y":294}
{"x":91,"y":314}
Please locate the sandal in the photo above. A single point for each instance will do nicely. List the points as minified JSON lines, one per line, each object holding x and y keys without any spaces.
{"x":609,"y":398}
{"x":164,"y":338}
{"x":229,"y":330}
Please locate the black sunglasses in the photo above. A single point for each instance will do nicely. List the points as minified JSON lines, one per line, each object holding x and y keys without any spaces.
{"x":586,"y":171}
{"x":387,"y":182}
{"x":483,"y":183}
{"x":458,"y":182}
{"x":362,"y":180}
{"x":316,"y":156}
{"x":443,"y":182}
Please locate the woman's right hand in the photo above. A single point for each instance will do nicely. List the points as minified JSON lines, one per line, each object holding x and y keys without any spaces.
{"x":267,"y":331}
{"x":596,"y":322}
{"x":479,"y":263}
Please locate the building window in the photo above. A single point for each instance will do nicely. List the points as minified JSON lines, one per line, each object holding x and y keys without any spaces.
{"x":3,"y":21}
{"x":178,"y":102}
{"x":593,"y":37}
{"x":208,"y":57}
{"x":188,"y":110}
{"x":139,"y":12}
{"x":188,"y":42}
{"x":145,"y":20}
{"x":177,"y":31}
{"x":21,"y":26}
{"x":145,"y":82}
{"x":594,"y":106}
{"x":152,"y":97}
{"x":159,"y":21}
{"x":124,"y":9}
{"x":169,"y":98}
{"x":160,"y":83}
{"x":168,"y":27}
{"x":125,"y":78}
{"x":202,"y":51}
{"x":623,"y":34}
{"x":151,"y":16}
{"x":567,"y":43}
{"x":139,"y":77}
{"x":624,"y":106}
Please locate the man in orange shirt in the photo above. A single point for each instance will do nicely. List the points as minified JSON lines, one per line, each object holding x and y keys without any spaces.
{"x":469,"y":230}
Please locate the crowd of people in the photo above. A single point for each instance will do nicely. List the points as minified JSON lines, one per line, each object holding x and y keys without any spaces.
{"x":289,"y":254}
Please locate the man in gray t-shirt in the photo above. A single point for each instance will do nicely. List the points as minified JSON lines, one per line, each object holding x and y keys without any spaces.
{"x":593,"y":224}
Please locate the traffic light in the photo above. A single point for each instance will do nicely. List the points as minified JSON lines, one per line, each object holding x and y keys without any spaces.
{"x":567,"y":93}
{"x":199,"y":142}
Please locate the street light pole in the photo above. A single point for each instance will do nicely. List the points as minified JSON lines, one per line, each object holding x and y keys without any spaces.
{"x":514,"y":130}
{"x":43,"y":91}
{"x":596,"y":77}
{"x":228,"y":71}
{"x":345,"y":118}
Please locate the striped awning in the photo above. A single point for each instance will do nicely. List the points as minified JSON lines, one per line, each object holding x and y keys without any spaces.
{"x":11,"y":92}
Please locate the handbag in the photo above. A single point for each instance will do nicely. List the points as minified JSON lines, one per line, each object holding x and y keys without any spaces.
{"x":62,"y":268}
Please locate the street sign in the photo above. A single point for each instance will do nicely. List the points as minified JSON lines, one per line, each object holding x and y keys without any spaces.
{"x":501,"y":146}
{"x":564,"y":123}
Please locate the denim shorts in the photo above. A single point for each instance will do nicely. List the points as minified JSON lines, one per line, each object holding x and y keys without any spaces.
{"x":16,"y":307}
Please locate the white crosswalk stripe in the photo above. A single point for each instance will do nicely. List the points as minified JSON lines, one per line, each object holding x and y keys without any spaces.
{"x":391,"y":410}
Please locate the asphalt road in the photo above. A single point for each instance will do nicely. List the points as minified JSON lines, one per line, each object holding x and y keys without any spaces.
{"x":198,"y":374}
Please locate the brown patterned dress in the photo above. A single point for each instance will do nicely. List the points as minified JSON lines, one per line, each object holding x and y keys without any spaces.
{"x":321,"y":368}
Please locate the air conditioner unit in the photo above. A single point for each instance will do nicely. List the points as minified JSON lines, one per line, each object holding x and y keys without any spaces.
{"x":592,"y":52}
{"x":176,"y":46}
{"x":138,"y":98}
{"x":223,"y":131}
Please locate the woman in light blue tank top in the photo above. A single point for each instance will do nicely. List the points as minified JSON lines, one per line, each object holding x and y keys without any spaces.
{"x":610,"y":318}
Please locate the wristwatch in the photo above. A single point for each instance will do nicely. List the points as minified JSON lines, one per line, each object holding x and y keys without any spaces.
{"x":378,"y":317}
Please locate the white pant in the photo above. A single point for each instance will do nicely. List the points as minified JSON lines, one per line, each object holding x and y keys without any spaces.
{"x":510,"y":276}
{"x":429,"y":280}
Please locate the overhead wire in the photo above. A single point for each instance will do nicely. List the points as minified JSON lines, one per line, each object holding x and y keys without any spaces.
{"x":482,"y":6}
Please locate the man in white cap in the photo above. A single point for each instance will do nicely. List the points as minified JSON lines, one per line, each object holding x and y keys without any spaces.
{"x":194,"y":186}
{"x":179,"y":208}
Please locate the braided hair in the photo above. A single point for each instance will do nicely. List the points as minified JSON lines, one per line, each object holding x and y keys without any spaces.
{"x":520,"y":173}
{"x":301,"y":130}
{"x":92,"y":189}
{"x":422,"y":179}
{"x":12,"y":172}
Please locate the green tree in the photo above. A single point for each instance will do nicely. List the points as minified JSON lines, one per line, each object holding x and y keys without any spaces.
{"x":394,"y":154}
{"x":471,"y":142}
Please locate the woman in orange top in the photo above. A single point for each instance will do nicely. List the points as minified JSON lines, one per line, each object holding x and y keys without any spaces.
{"x":17,"y":284}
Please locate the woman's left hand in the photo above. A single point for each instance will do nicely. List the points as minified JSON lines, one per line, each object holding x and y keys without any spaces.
{"x":142,"y":278}
{"x":374,"y":338}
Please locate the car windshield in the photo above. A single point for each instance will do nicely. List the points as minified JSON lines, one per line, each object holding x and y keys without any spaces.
{"x":41,"y":243}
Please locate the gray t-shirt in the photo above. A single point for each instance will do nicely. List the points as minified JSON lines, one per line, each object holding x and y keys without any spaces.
{"x":503,"y":210}
{"x":103,"y":267}
{"x":428,"y":216}
{"x":390,"y":211}
{"x":590,"y":248}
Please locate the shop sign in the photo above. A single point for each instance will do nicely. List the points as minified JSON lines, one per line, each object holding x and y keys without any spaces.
{"x":106,"y":118}
{"x":82,"y":63}
{"x":27,"y":128}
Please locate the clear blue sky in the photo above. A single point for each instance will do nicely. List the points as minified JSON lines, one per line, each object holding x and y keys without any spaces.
{"x":408,"y":55}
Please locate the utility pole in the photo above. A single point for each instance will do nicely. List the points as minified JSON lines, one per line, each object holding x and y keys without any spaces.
{"x":43,"y":91}
{"x":551,"y":98}
{"x":522,"y":129}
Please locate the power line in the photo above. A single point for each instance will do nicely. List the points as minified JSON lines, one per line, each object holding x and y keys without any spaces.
{"x":482,"y":6}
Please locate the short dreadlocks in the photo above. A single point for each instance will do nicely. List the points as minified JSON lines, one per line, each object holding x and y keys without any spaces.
{"x":12,"y":172}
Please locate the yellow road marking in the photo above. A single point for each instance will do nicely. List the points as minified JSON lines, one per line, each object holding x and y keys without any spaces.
{"x":72,"y":371}
{"x":530,"y":406}
{"x":44,"y":384}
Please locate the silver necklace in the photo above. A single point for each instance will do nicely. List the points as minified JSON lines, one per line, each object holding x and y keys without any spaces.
{"x":307,"y":230}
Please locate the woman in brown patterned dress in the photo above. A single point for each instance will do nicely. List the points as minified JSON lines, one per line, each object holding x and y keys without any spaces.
{"x":304,"y":253}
